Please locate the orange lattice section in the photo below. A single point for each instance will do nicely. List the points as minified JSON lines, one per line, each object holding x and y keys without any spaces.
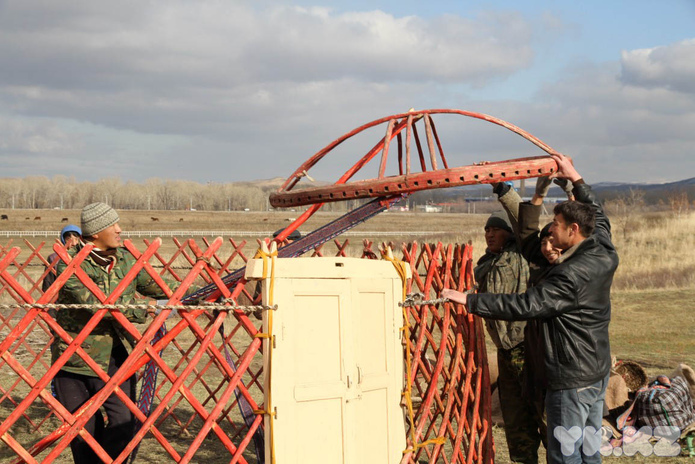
{"x":195,"y":411}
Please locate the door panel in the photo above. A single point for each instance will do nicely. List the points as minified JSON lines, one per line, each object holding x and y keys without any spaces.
{"x":337,"y":366}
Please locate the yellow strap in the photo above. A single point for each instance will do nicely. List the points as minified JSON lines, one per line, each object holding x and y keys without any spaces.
{"x":401,"y":268}
{"x":263,"y":412}
{"x":433,"y":441}
{"x":260,"y":254}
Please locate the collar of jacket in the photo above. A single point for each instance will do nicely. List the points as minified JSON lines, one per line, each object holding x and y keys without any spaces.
{"x":567,"y":254}
{"x":509,"y":245}
{"x":107,"y":263}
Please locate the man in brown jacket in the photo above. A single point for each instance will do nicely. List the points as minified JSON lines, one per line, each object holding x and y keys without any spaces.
{"x":503,"y":270}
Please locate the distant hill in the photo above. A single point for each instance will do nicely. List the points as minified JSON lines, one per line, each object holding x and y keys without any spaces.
{"x":653,"y":193}
{"x":604,"y":190}
{"x":616,"y":186}
{"x":265,"y":184}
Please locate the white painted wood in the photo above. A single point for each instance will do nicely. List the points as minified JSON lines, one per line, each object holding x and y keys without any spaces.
{"x":337,"y":367}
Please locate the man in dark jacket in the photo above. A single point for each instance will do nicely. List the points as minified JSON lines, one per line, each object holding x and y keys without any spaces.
{"x":573,"y":302}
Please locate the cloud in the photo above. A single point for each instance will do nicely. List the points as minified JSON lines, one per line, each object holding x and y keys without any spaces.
{"x":29,"y":138}
{"x":373,"y":46}
{"x":243,"y":90}
{"x":231,"y":77}
{"x":670,"y":67}
{"x":211,"y":62}
{"x":618,"y":129}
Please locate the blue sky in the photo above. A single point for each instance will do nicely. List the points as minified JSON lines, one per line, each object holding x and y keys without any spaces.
{"x":243,"y":90}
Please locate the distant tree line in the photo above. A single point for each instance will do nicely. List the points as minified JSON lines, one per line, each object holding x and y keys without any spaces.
{"x":39,"y":192}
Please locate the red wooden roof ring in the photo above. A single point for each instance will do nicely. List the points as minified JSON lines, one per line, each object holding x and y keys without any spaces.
{"x":408,"y":181}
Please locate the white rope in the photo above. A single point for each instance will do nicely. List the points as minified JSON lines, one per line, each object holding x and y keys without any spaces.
{"x":418,"y":299}
{"x":222,"y":306}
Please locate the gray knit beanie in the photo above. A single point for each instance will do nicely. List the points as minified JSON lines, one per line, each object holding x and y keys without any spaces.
{"x":500,"y":220}
{"x":97,"y":217}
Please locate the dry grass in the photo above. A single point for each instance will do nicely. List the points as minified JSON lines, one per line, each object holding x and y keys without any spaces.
{"x":659,"y":253}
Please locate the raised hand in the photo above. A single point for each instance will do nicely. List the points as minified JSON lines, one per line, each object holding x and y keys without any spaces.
{"x":565,"y":168}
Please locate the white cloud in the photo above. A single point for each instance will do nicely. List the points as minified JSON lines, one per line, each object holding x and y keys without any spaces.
{"x":376,"y":46}
{"x":231,"y":91}
{"x":22,"y":138}
{"x":617,"y":129}
{"x":202,"y":61}
{"x":670,"y":67}
{"x":279,"y":81}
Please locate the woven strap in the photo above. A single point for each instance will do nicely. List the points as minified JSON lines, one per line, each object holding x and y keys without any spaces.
{"x":247,"y":412}
{"x":149,"y":385}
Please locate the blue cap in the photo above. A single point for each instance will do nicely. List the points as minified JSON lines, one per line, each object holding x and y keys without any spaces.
{"x":69,"y":228}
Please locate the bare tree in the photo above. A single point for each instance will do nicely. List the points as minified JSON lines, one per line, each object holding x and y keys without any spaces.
{"x":679,"y":203}
{"x":625,"y":209}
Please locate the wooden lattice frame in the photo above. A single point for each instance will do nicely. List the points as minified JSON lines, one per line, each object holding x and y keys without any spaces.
{"x":449,"y":368}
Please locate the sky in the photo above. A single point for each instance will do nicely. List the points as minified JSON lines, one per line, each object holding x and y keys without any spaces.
{"x":227,"y":91}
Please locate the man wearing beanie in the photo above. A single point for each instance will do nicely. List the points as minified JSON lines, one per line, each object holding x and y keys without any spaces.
{"x":502,"y":269}
{"x":108,"y":343}
{"x":572,"y":303}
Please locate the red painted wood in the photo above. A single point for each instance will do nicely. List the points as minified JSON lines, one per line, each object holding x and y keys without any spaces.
{"x":449,"y":371}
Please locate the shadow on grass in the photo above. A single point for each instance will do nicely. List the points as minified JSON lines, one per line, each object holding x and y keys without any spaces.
{"x":33,"y":426}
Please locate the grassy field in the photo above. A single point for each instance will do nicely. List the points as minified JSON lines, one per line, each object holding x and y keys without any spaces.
{"x":653,"y":319}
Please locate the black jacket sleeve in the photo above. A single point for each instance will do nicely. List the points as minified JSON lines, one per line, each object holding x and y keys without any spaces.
{"x":556,"y":295}
{"x":583,"y":193}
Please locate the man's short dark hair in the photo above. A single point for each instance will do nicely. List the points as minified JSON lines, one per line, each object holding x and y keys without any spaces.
{"x":580,"y":213}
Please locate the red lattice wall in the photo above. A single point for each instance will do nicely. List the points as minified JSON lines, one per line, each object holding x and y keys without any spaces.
{"x":195,"y":414}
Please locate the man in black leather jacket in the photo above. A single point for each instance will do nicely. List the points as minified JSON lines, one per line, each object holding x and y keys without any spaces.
{"x":573,"y":303}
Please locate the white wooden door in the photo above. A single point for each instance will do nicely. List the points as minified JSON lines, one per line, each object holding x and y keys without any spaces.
{"x":379,"y":365}
{"x":336,"y":369}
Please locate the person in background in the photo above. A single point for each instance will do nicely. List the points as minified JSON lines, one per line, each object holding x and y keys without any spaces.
{"x":294,"y":235}
{"x":70,"y":236}
{"x":502,"y":269}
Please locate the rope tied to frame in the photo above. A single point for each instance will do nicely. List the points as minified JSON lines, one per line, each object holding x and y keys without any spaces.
{"x":401,"y":268}
{"x":417,"y":299}
{"x":221,"y":306}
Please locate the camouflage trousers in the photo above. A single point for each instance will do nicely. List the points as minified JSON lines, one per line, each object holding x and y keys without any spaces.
{"x":524,"y":427}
